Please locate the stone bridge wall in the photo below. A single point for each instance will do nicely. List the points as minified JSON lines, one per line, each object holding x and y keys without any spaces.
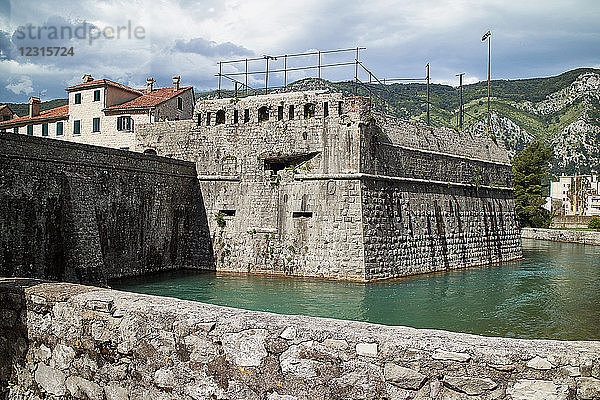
{"x":83,"y":213}
{"x":67,"y":340}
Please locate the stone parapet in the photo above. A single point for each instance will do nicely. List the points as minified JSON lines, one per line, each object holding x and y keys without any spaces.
{"x":561,"y":235}
{"x":67,"y":340}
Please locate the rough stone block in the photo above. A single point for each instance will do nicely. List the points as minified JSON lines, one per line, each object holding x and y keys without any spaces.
{"x":532,"y":389}
{"x":588,"y":388}
{"x":366,"y":349}
{"x":246,"y":348}
{"x":404,"y":377}
{"x":50,"y":379}
{"x":469,"y":385}
{"x":450,"y":356}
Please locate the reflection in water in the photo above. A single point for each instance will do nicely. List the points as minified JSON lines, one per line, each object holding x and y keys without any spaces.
{"x":554,"y":292}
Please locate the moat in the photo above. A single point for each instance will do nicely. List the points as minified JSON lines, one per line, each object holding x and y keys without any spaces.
{"x":552,"y":293}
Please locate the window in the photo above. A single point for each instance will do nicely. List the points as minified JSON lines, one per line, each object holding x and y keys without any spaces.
{"x":179,"y":103}
{"x":77,"y":98}
{"x":59,"y":128}
{"x":279,"y":113}
{"x":302,"y":214}
{"x":263,"y":114}
{"x":77,"y":127}
{"x":96,"y":95}
{"x":208,"y":119}
{"x":149,"y":151}
{"x":199,"y":119}
{"x":340,"y":107}
{"x":220,"y":117}
{"x":246,"y":115}
{"x":235,"y":116}
{"x":45,"y":129}
{"x":124,"y":124}
{"x":325,"y":109}
{"x":96,"y":125}
{"x":30,"y":130}
{"x":291,"y":112}
{"x":309,"y":110}
{"x":16,"y":129}
{"x":227,"y":213}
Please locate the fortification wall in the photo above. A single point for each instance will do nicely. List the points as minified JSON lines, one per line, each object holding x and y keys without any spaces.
{"x":440,"y":139}
{"x":82,"y":213}
{"x":281,"y":225}
{"x":66,"y":340}
{"x":309,"y":182}
{"x":412,"y":228}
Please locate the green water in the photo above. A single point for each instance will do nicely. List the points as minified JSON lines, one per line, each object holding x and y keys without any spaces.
{"x":553,"y":293}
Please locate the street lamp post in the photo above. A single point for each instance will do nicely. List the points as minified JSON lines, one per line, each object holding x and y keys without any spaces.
{"x":460,"y":109}
{"x":488,"y":36}
{"x":427,"y":70}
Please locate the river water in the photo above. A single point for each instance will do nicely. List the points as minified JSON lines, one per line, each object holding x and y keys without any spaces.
{"x":553,"y":293}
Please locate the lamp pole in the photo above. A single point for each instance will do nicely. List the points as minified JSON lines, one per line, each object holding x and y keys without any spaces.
{"x":488,"y":36}
{"x":427,"y":70}
{"x":460,"y":110}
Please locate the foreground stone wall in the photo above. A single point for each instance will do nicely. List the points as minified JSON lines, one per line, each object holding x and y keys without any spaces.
{"x":82,"y":213}
{"x":64,"y":340}
{"x":557,"y":235}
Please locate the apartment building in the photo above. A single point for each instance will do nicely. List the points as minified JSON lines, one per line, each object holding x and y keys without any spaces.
{"x":104,"y":113}
{"x":576,"y":195}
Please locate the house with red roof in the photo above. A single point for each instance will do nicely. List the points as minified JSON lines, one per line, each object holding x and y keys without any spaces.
{"x":6,"y":113}
{"x":104,"y":113}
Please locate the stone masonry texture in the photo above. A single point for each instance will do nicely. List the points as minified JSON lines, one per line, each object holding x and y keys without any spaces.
{"x":315,"y":184}
{"x":81,"y":213}
{"x":64,"y":341}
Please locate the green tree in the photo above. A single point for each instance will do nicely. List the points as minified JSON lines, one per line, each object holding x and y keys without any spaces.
{"x":594,"y":223}
{"x":530,"y":169}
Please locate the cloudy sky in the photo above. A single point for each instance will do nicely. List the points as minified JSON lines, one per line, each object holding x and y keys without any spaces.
{"x":530,"y":38}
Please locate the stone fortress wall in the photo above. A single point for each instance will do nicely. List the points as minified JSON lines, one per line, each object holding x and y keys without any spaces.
{"x":75,"y":212}
{"x":315,"y":184}
{"x":60,"y":341}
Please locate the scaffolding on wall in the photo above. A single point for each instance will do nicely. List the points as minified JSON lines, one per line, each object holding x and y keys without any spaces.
{"x":363,"y":77}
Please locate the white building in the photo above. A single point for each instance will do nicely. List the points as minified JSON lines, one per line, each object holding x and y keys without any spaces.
{"x":575,"y":195}
{"x":105,"y":113}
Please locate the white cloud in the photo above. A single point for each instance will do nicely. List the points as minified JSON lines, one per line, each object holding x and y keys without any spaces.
{"x":533,"y":38}
{"x":22,"y":84}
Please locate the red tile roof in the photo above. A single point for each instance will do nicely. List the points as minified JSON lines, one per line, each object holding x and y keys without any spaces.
{"x":54,"y":113}
{"x":150,"y":99}
{"x":101,"y":82}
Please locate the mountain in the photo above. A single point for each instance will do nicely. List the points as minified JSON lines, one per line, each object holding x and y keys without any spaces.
{"x":562,"y":111}
{"x":22,"y":109}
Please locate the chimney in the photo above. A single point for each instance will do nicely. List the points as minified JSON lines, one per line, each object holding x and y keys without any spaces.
{"x":34,"y":107}
{"x":176,"y":80}
{"x":87,"y":78}
{"x":149,"y":84}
